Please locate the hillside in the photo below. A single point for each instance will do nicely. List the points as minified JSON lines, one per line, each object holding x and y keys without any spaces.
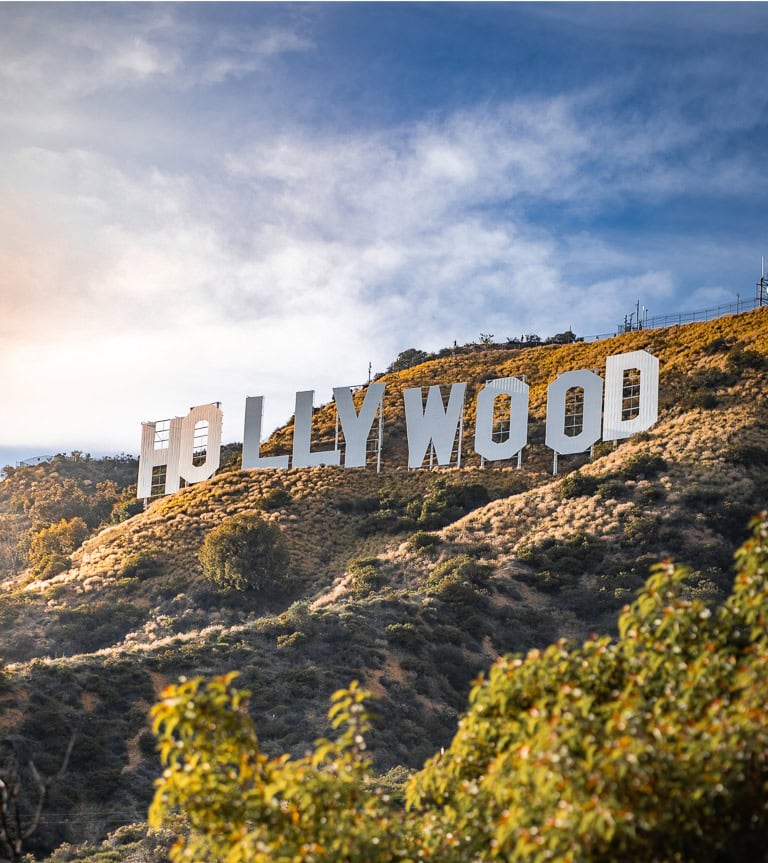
{"x":412,"y":582}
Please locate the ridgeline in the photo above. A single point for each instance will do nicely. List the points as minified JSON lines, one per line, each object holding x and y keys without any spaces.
{"x":412,"y":582}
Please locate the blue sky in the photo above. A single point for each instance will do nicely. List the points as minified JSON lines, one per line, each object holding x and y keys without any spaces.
{"x":200,"y":202}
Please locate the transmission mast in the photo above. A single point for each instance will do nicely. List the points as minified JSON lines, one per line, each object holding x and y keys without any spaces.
{"x":761,"y":288}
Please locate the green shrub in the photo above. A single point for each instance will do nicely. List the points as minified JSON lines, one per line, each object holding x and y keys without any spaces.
{"x":56,"y":540}
{"x":125,"y":509}
{"x":404,"y":634}
{"x":573,"y":555}
{"x":365,"y":575}
{"x":456,"y":578}
{"x":643,"y":465}
{"x":638,"y":749}
{"x":577,"y":484}
{"x":641,"y":529}
{"x":748,"y":455}
{"x":275,"y":499}
{"x":142,"y":565}
{"x":423,"y":540}
{"x":406,"y":359}
{"x":392,"y":515}
{"x":92,"y":626}
{"x":293,"y":639}
{"x":717,"y":346}
{"x":447,"y":502}
{"x":51,"y":564}
{"x":611,"y":487}
{"x":356,"y":505}
{"x":705,"y":401}
{"x":739,"y":360}
{"x":652,"y":493}
{"x":245,"y":552}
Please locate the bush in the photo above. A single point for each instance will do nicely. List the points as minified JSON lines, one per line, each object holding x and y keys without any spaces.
{"x":748,"y":455}
{"x":577,"y":484}
{"x":365,"y":576}
{"x":739,"y":360}
{"x":406,"y":359}
{"x":455,"y":579}
{"x":125,"y":509}
{"x":423,"y":540}
{"x":275,"y":499}
{"x":610,"y":487}
{"x":245,"y":552}
{"x":142,"y":565}
{"x":641,"y":530}
{"x":717,"y":346}
{"x":636,"y":750}
{"x":573,"y":555}
{"x":51,"y":564}
{"x":50,"y":545}
{"x":643,"y":465}
{"x":405,"y":635}
{"x":447,"y":502}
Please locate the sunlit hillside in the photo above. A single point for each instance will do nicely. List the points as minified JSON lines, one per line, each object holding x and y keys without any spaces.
{"x":411,"y":581}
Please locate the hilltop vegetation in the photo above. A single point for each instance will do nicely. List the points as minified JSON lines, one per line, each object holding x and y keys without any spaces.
{"x":411,"y":582}
{"x":48,"y":509}
{"x":651,"y":747}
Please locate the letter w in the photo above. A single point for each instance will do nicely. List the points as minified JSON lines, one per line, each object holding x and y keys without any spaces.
{"x":434,"y":424}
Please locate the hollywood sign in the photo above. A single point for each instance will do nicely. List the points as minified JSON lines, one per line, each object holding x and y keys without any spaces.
{"x":581,"y":408}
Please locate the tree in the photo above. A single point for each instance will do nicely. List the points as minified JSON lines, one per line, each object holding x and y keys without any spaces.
{"x":649,"y":748}
{"x":652,"y":747}
{"x":23,"y":792}
{"x":406,"y":359}
{"x":50,"y":547}
{"x":245,"y":552}
{"x":243,"y":807}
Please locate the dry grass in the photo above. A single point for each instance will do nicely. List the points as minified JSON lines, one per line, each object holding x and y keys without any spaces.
{"x":322,"y":539}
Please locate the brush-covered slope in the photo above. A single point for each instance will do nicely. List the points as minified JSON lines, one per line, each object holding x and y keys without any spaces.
{"x":411,"y":582}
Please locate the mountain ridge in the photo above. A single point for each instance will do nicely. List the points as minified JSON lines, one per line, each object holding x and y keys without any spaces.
{"x":411,"y":581}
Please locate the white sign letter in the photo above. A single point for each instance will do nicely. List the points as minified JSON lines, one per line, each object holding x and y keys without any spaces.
{"x":200,"y":450}
{"x":485,"y":445}
{"x":178,"y":444}
{"x":631,"y":394}
{"x":577,"y":431}
{"x":254,"y":406}
{"x":432,"y":425}
{"x":357,"y":427}
{"x":302,"y":435}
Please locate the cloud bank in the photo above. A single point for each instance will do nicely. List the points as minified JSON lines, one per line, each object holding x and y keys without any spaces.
{"x":170,"y":234}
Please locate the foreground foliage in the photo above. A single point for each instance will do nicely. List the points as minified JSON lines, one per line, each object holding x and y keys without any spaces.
{"x":650,"y":748}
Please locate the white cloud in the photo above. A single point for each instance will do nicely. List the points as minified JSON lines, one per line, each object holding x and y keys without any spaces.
{"x":130,"y":290}
{"x":65,"y":54}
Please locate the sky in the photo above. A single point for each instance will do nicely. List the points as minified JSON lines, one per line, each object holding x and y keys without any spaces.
{"x":203,"y":202}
